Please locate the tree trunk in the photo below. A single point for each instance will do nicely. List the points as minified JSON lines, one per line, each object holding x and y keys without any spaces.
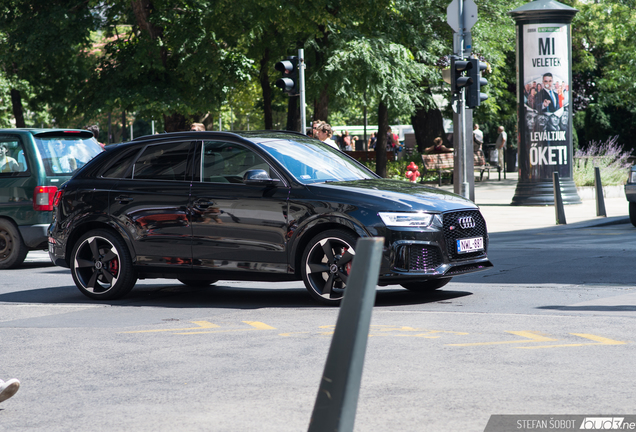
{"x":16,"y":102}
{"x":267,"y":91}
{"x":175,"y":123}
{"x":321,"y":105}
{"x":380,"y":146}
{"x":124,"y":129}
{"x":293,"y":116}
{"x":428,"y":125}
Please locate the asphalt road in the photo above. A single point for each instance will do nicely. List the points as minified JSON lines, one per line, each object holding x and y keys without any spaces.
{"x":548,"y":330}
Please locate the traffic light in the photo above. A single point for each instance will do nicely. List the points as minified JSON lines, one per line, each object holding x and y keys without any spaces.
{"x":458,"y":79}
{"x":289,"y":81}
{"x":474,"y":97}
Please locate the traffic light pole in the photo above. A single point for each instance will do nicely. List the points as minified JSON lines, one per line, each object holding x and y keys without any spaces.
{"x":301,"y":87}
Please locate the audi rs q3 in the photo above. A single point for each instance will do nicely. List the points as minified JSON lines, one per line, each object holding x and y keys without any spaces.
{"x":271,"y":206}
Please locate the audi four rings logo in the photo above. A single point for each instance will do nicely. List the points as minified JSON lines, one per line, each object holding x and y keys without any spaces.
{"x":466,"y":222}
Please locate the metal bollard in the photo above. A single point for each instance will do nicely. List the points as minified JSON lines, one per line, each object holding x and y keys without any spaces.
{"x":558,"y":200}
{"x":337,"y":399}
{"x":600,"y":200}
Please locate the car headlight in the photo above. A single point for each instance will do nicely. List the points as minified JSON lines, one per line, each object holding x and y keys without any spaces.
{"x":632,"y":177}
{"x":408,"y":219}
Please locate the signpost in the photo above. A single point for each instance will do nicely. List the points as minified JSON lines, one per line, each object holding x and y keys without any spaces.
{"x":461,"y":16}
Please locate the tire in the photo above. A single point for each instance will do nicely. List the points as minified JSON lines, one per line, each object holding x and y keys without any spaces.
{"x":198,"y":283}
{"x":326,"y":264}
{"x":13,"y":251}
{"x":632,"y":212}
{"x":429,"y":285}
{"x":101,"y":266}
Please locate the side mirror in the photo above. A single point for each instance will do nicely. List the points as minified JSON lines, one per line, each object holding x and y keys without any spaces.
{"x":258,"y":177}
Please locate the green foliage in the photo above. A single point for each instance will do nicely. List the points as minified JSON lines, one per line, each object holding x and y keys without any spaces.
{"x":608,"y":156}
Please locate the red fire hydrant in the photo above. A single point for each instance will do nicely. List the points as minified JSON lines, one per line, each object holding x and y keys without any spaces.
{"x":412,"y":173}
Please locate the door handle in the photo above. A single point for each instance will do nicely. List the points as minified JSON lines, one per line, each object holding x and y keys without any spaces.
{"x":203,"y":203}
{"x":122,"y":199}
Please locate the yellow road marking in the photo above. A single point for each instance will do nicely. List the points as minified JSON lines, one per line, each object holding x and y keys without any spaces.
{"x":259,"y":325}
{"x":201,"y":324}
{"x":532,"y":335}
{"x":599,"y":341}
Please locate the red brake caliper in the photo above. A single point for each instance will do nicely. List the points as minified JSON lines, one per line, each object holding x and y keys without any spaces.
{"x":347,"y":265}
{"x":113,"y":266}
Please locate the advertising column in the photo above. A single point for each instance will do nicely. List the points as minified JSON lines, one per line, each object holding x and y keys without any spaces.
{"x":544,"y":76}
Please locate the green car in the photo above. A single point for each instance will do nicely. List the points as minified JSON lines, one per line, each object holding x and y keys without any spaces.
{"x":33,"y":165}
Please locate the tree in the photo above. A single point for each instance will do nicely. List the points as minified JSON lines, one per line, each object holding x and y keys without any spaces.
{"x":43,"y":49}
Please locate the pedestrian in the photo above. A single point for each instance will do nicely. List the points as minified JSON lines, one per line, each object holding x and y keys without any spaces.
{"x":346,"y":138}
{"x":478,"y":138}
{"x":8,"y":388}
{"x":94,"y":129}
{"x":324,"y":132}
{"x":373,"y":140}
{"x":501,"y":144}
{"x":438,"y":147}
{"x":198,"y":127}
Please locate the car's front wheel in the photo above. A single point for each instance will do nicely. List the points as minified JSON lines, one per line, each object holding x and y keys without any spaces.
{"x":632,"y":212}
{"x":326,"y":264}
{"x":12,"y":248}
{"x":428,"y":285}
{"x":101,"y":266}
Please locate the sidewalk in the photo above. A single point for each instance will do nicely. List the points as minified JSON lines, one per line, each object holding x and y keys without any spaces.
{"x":494,"y":197}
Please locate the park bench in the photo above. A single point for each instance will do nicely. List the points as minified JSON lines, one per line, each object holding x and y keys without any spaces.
{"x":445,"y":162}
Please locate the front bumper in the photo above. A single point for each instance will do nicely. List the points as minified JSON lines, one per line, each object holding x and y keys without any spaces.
{"x":412,"y":255}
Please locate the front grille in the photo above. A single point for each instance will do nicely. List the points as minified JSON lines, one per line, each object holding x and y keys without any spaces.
{"x":418,"y":258}
{"x":453,"y":232}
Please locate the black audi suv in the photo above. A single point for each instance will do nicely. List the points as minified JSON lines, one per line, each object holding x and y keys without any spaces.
{"x":270,"y":206}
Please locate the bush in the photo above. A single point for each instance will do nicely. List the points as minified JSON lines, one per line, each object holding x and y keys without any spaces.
{"x":608,"y":156}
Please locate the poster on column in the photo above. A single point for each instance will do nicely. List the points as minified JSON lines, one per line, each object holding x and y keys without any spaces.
{"x":546,"y":99}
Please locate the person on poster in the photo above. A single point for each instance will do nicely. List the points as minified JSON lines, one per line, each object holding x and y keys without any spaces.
{"x":548,"y":98}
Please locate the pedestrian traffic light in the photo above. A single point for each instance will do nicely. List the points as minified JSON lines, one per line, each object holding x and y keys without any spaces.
{"x":474,"y":97}
{"x":289,"y":81}
{"x":458,"y":79}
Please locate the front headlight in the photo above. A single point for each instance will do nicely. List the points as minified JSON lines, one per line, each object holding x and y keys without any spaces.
{"x":407,"y":219}
{"x":632,"y":177}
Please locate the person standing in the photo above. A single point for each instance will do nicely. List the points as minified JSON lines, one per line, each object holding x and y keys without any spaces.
{"x":501,"y":144}
{"x":323,"y":132}
{"x":478,"y":138}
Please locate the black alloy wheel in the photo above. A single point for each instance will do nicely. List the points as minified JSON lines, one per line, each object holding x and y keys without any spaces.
{"x":326,"y":264}
{"x":13,"y":251}
{"x":428,"y":285}
{"x":101,"y":266}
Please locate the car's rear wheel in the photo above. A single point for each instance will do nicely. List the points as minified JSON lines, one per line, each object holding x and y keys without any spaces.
{"x":632,"y":212}
{"x":198,"y":283}
{"x":429,"y":285}
{"x":13,"y":251}
{"x":326,"y":264}
{"x":101,"y":266}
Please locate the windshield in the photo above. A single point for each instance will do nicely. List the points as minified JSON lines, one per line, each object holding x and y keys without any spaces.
{"x":310,"y":161}
{"x":64,"y":155}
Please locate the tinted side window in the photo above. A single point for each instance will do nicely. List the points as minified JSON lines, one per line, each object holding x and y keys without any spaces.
{"x":223,"y":162}
{"x":121,"y":167}
{"x":163,"y":162}
{"x":12,"y":157}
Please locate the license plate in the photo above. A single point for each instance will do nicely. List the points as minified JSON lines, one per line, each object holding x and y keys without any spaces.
{"x":470,"y":245}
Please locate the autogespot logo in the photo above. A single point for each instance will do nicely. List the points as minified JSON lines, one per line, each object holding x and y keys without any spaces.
{"x":603,"y":423}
